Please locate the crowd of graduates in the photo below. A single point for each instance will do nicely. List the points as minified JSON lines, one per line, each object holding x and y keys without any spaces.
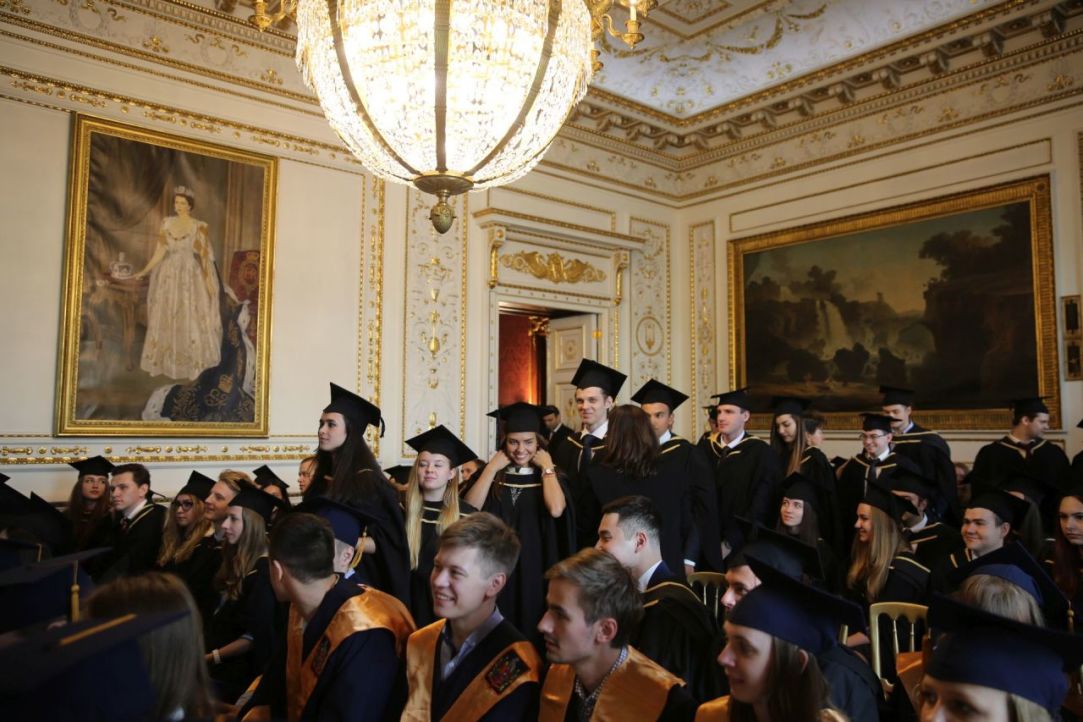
{"x":614,"y":572}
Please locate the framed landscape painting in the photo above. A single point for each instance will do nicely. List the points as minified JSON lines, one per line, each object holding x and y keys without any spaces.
{"x":167,"y":286}
{"x":952,"y":297}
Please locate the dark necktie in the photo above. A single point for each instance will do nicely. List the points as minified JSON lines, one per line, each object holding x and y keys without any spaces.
{"x":589,"y":440}
{"x":870,"y":473}
{"x":124,"y":524}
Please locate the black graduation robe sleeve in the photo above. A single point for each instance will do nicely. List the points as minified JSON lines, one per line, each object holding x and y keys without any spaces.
{"x":681,"y":638}
{"x":680,"y":707}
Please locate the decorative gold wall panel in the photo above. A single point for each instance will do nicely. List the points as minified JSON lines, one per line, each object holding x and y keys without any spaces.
{"x":648,"y":293}
{"x":701,"y":255}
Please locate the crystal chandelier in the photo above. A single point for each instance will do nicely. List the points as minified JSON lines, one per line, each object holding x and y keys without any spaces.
{"x":448,"y":95}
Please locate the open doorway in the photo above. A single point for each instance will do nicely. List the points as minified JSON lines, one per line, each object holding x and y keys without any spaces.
{"x":539,"y":350}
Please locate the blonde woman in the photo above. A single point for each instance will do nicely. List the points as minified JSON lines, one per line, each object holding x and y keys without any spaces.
{"x":432,"y":504}
{"x":189,"y":549}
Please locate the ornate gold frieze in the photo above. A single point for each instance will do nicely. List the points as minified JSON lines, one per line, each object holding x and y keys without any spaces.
{"x":553,"y":267}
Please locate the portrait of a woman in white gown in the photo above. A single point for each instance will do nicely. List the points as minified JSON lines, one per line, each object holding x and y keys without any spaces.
{"x":184,"y":326}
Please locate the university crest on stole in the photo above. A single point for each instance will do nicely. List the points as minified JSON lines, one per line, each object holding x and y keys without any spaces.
{"x":505,"y":671}
{"x":320,"y":654}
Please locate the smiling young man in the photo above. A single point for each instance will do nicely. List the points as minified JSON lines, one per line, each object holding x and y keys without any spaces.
{"x":137,"y":526}
{"x":987,"y":526}
{"x":593,"y":607}
{"x":1024,"y":451}
{"x":472,"y":664}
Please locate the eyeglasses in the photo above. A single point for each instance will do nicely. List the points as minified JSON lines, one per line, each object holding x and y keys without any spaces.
{"x":186,"y":504}
{"x":870,"y":437}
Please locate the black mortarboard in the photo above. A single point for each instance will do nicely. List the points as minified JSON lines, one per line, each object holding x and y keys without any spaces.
{"x":441,"y":441}
{"x":1078,"y":426}
{"x":799,"y":486}
{"x":1013,"y":563}
{"x":1010,"y":509}
{"x":891,"y":504}
{"x":42,"y":591}
{"x":258,"y":501}
{"x":265,"y":477}
{"x":1029,"y":406}
{"x":876,"y":422}
{"x":75,"y":672}
{"x":786,"y":553}
{"x":48,"y":523}
{"x":913,"y":482}
{"x":12,"y":500}
{"x":360,"y":412}
{"x":656,"y":392}
{"x":791,"y":405}
{"x":198,"y":485}
{"x":897,"y":395}
{"x":15,"y":553}
{"x":795,"y":612}
{"x":519,"y":417}
{"x":986,"y":650}
{"x":400,"y":473}
{"x":95,"y":466}
{"x":737,"y":397}
{"x":347,"y":522}
{"x":4,"y":477}
{"x":591,"y":373}
{"x":549,"y":409}
{"x":1032,"y":486}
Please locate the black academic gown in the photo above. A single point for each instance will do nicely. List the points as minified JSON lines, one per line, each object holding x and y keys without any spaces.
{"x":907,"y":581}
{"x":361,"y":681}
{"x":557,"y":437}
{"x":388,"y":569}
{"x":517,"y":500}
{"x":854,"y":688}
{"x":691,"y":462}
{"x":680,"y":634}
{"x":932,"y":455}
{"x":1001,"y":461}
{"x":851,"y":487}
{"x":255,"y":614}
{"x":667,"y":487}
{"x":135,"y":549}
{"x":816,"y":467}
{"x":420,"y":592}
{"x":935,"y":542}
{"x":748,"y":484}
{"x":567,"y":458}
{"x":198,"y":571}
{"x":1077,"y":470}
{"x":940,"y":573}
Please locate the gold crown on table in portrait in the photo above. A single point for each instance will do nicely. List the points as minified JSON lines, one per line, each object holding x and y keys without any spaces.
{"x":182,"y":191}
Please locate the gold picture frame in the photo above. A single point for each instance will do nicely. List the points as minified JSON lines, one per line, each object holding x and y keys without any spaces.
{"x":166,"y":317}
{"x":953,"y":297}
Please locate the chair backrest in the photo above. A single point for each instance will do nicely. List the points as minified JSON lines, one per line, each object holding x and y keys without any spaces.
{"x":912,"y":613}
{"x":709,"y":586}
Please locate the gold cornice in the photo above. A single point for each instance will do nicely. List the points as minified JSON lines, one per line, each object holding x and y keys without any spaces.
{"x":251,"y":41}
{"x":574,"y":204}
{"x":231,"y":19}
{"x":624,"y":237}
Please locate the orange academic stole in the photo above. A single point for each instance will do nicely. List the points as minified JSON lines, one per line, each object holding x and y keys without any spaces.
{"x":516,"y":665}
{"x":715,"y":710}
{"x":371,"y":610}
{"x":637,"y":690}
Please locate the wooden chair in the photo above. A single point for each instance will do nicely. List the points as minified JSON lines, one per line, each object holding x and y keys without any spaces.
{"x":709,"y":586}
{"x":912,"y":613}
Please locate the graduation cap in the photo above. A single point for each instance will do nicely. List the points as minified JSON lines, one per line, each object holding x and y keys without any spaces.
{"x":1008,"y":508}
{"x":258,"y":501}
{"x":4,"y":477}
{"x":399,"y":473}
{"x":891,"y":504}
{"x":12,"y":500}
{"x":795,"y":612}
{"x":986,"y":650}
{"x":94,"y":466}
{"x":347,"y":522}
{"x":1032,"y":486}
{"x":799,"y":486}
{"x":737,"y":397}
{"x":591,"y":373}
{"x":912,"y":482}
{"x":519,"y":417}
{"x":897,"y":395}
{"x":1030,"y":406}
{"x":786,"y":553}
{"x":48,"y":523}
{"x":876,"y":422}
{"x":16,"y":552}
{"x":1013,"y":563}
{"x":656,"y":392}
{"x":360,"y":412}
{"x":43,"y":591}
{"x":266,"y":477}
{"x":198,"y":485}
{"x":791,"y":405}
{"x":548,"y":409}
{"x":1078,"y":426}
{"x":92,"y":671}
{"x":441,"y":441}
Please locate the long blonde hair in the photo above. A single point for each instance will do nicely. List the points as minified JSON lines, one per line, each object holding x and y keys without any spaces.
{"x":239,"y":559}
{"x":872,"y":559}
{"x":448,"y":515}
{"x":179,"y":544}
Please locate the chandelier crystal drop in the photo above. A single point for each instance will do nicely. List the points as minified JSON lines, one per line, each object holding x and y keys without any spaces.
{"x":447,"y":95}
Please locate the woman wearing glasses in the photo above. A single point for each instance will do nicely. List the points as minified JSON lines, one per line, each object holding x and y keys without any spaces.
{"x":189,"y":548}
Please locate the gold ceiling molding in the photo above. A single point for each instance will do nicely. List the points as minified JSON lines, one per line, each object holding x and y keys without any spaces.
{"x":553,"y":267}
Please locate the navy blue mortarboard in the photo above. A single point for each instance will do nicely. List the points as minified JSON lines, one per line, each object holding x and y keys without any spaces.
{"x":986,"y":650}
{"x":95,"y":466}
{"x":791,"y":405}
{"x":656,"y":392}
{"x":1032,"y":486}
{"x":441,"y":441}
{"x":786,"y":553}
{"x":43,"y":591}
{"x":15,"y":552}
{"x":1008,"y":508}
{"x":876,"y":422}
{"x":591,"y":373}
{"x":1029,"y":406}
{"x":1013,"y":563}
{"x":258,"y":501}
{"x":912,"y":482}
{"x":897,"y":395}
{"x":736,"y":397}
{"x":519,"y":417}
{"x":265,"y":477}
{"x":795,"y":612}
{"x":48,"y":523}
{"x":347,"y":522}
{"x":891,"y":504}
{"x":359,"y":411}
{"x":400,"y":473}
{"x":198,"y":485}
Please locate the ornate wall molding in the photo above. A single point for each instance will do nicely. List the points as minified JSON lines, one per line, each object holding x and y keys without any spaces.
{"x":553,"y":267}
{"x":649,"y":297}
{"x":702,"y":285}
